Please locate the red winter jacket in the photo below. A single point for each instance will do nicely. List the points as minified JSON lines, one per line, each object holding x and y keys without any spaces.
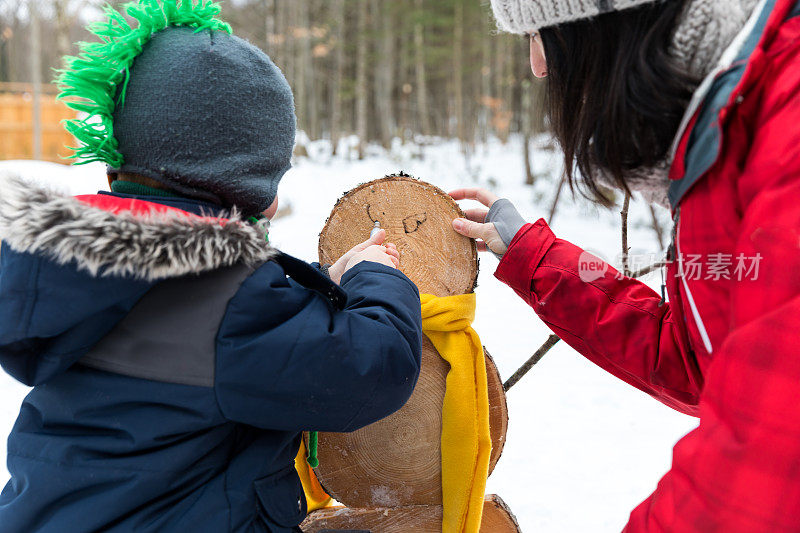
{"x":726,"y":347}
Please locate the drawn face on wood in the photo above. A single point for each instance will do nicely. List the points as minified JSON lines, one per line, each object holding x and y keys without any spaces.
{"x":418,"y":219}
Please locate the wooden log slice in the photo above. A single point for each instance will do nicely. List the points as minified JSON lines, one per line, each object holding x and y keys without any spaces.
{"x":498,"y":411}
{"x":417,"y":217}
{"x":397,"y":461}
{"x":497,"y":518}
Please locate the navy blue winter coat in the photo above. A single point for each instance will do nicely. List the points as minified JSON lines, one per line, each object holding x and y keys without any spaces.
{"x":175,"y":364}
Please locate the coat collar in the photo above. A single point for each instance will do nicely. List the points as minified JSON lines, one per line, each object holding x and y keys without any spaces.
{"x":109,"y":235}
{"x":698,"y":144}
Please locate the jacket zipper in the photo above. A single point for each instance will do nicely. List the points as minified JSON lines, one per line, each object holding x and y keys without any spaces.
{"x":676,"y":253}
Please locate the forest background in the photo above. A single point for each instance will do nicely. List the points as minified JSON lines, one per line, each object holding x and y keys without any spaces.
{"x":378,"y":69}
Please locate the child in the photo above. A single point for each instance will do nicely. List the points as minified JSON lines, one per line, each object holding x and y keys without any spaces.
{"x":174,"y":356}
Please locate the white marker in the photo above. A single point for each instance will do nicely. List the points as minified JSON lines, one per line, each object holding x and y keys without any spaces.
{"x":375,"y":229}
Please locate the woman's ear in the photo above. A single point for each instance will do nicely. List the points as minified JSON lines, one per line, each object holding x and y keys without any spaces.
{"x":538,"y":59}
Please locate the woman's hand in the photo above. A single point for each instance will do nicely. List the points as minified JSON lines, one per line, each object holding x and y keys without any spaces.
{"x":475,"y":226}
{"x":370,"y":250}
{"x":495,"y":228}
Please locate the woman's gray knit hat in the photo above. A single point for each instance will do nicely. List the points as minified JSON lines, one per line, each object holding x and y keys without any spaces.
{"x":529,"y":16}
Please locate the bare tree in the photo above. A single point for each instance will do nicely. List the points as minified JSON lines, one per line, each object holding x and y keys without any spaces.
{"x":458,"y":69}
{"x":438,"y":70}
{"x":306,"y":73}
{"x":625,"y":248}
{"x":423,"y":112}
{"x":66,"y":14}
{"x":486,"y":88}
{"x":556,"y":198}
{"x":406,"y":87}
{"x":338,"y":12}
{"x":270,"y":29}
{"x":63,"y":21}
{"x":36,"y":77}
{"x":657,"y":228}
{"x":530,"y":177}
{"x":361,"y":78}
{"x":385,"y":66}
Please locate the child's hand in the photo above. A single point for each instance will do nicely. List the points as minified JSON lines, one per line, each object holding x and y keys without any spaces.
{"x":385,"y":255}
{"x":337,"y":270}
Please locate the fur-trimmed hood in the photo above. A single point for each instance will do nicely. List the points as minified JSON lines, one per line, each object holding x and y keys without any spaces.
{"x":72,"y":268}
{"x":147,"y":246}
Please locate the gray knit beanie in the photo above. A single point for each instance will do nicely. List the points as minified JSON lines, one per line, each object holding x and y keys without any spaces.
{"x":178,"y":99}
{"x":529,"y":16}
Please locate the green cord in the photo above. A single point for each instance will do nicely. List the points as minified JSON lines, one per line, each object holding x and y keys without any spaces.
{"x":262,"y":223}
{"x":313,"y":441}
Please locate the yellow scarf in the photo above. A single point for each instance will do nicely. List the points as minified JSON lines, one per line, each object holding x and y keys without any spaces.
{"x":466,"y":441}
{"x":316,"y":498}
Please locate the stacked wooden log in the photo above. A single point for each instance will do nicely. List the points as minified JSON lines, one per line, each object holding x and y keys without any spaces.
{"x":388,"y":474}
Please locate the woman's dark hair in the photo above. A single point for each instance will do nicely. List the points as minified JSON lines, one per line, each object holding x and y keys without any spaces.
{"x":615,"y":96}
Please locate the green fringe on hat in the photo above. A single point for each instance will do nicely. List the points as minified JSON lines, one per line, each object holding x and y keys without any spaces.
{"x":90,"y":81}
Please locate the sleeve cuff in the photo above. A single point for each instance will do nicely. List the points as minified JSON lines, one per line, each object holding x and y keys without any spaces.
{"x":506,"y":219}
{"x":370,"y":266}
{"x":524,"y":254}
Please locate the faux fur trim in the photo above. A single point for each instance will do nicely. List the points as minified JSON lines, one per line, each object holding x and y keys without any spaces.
{"x":155,"y":246}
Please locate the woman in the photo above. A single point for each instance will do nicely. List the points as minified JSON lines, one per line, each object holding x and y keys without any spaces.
{"x":695,"y":103}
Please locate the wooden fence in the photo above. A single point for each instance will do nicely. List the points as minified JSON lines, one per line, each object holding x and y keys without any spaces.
{"x":18,"y":131}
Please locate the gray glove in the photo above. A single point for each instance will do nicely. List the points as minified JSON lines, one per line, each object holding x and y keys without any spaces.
{"x":506,"y":219}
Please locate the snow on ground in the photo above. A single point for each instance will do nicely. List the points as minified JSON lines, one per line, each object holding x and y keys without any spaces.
{"x":583,"y":448}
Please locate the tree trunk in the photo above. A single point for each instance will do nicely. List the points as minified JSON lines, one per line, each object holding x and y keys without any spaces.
{"x":406,"y":87}
{"x":458,"y":70}
{"x":36,"y":78}
{"x":423,"y":113}
{"x":62,"y":21}
{"x":338,"y":11}
{"x":484,"y":118}
{"x":308,"y":81}
{"x":281,"y":36}
{"x":270,"y":30}
{"x":526,"y":132}
{"x":385,"y":70}
{"x":301,"y":74}
{"x":502,"y":112}
{"x":556,"y":198}
{"x":530,"y":177}
{"x":361,"y":79}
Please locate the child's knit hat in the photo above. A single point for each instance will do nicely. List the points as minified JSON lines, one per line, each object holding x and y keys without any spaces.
{"x":178,"y":99}
{"x":529,"y":16}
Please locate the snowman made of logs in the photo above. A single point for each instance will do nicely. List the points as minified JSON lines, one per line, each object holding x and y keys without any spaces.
{"x":388,"y":476}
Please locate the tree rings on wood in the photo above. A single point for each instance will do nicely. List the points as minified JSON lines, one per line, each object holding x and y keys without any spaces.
{"x":417,"y":217}
{"x":397,"y":461}
{"x":497,"y":518}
